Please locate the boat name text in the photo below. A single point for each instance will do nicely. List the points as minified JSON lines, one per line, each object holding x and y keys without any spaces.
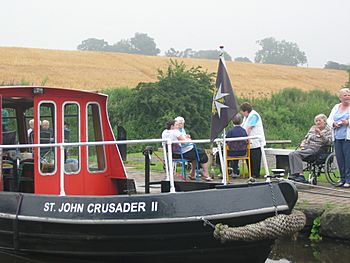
{"x":101,"y":208}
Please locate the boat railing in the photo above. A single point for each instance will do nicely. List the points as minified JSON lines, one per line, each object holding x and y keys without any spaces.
{"x":220,"y":142}
{"x":167,"y":150}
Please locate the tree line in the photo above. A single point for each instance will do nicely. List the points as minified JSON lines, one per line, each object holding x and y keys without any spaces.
{"x":271,"y":50}
{"x":139,"y":44}
{"x":179,"y":91}
{"x":335,"y":65}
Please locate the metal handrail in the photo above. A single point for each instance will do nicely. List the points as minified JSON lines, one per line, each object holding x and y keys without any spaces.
{"x":167,"y":143}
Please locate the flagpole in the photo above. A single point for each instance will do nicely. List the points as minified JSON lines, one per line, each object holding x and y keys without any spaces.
{"x":224,"y":107}
{"x":224,"y":163}
{"x":223,"y":166}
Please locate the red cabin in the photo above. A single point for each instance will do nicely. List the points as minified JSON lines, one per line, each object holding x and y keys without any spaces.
{"x":57,"y":115}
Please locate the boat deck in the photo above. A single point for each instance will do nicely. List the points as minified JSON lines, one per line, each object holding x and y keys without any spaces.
{"x":321,"y":194}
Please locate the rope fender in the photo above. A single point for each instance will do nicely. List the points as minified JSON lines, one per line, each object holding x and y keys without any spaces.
{"x":270,"y":228}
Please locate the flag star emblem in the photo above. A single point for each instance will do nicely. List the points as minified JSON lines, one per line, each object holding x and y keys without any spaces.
{"x":224,"y":105}
{"x":218,"y":100}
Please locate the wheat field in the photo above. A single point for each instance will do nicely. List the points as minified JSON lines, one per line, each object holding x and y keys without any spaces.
{"x":99,"y":70}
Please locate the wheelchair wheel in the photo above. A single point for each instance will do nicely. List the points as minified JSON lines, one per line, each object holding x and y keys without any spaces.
{"x":332,"y":171}
{"x":313,"y":180}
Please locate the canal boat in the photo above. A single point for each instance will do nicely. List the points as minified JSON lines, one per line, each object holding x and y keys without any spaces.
{"x":64,"y":189}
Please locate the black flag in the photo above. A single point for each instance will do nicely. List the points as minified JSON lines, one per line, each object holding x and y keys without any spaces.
{"x":224,"y":105}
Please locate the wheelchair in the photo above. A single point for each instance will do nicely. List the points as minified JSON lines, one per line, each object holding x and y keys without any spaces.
{"x":324,"y":161}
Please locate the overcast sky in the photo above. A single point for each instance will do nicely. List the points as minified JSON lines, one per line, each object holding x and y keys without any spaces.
{"x":319,"y":27}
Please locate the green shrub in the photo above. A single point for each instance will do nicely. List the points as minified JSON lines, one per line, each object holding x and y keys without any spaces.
{"x":315,"y":230}
{"x":143,"y":111}
{"x":290,"y":113}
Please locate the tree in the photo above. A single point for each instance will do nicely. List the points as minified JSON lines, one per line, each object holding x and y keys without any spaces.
{"x":335,"y":65}
{"x":93,"y":44}
{"x":123,"y":46}
{"x":279,"y":52}
{"x":243,"y":59}
{"x":143,"y":44}
{"x":139,"y":44}
{"x":172,"y":53}
{"x":179,"y":91}
{"x":189,"y":53}
{"x":211,"y":54}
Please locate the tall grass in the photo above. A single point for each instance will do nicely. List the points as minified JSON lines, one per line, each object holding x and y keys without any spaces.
{"x":99,"y":70}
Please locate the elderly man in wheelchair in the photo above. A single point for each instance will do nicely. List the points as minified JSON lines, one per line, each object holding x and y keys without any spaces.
{"x":315,"y":141}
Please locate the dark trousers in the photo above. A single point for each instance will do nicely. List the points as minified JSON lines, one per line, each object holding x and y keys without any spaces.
{"x":342,"y":152}
{"x":255,"y":161}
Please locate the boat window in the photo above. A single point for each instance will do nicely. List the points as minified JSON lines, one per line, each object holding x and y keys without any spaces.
{"x":71,"y":128}
{"x":96,"y":153}
{"x":9,"y":131}
{"x":9,"y":126}
{"x":47,"y":135}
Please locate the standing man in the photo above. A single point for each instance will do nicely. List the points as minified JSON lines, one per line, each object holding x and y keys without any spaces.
{"x":252,"y":123}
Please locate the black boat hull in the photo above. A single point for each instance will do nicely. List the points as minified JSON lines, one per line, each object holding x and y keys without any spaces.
{"x":170,"y":224}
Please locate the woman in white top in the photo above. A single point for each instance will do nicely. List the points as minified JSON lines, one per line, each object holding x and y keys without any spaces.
{"x":252,"y":123}
{"x":339,"y":120}
{"x":188,"y":151}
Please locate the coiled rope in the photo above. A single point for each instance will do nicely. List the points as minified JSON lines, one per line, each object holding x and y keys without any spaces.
{"x":270,"y":228}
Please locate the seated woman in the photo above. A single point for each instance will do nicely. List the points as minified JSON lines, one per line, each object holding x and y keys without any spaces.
{"x":236,"y":148}
{"x":188,"y":151}
{"x":319,"y":135}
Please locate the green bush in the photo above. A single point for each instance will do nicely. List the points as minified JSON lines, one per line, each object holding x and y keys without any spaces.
{"x":290,"y":113}
{"x":143,"y":111}
{"x":179,"y":91}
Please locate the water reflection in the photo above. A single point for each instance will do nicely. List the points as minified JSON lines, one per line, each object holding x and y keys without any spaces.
{"x":284,"y":251}
{"x":302,"y":250}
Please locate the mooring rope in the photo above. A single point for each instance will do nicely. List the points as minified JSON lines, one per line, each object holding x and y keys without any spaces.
{"x":270,"y":228}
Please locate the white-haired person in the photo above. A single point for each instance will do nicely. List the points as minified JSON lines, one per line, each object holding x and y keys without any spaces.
{"x":187,"y":150}
{"x":31,"y":127}
{"x":318,"y":136}
{"x":339,"y":120}
{"x":45,"y":127}
{"x":181,"y":123}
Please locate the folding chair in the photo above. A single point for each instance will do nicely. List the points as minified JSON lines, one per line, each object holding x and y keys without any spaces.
{"x":243,"y":158}
{"x":184,"y":163}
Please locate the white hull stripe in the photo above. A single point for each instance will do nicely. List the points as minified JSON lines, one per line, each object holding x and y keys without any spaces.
{"x":146,"y":220}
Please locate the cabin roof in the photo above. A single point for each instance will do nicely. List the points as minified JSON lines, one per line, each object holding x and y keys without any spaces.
{"x":62,"y":90}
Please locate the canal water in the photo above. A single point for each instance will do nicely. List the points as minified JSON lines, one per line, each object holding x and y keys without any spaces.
{"x":284,"y":251}
{"x":304,"y":251}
